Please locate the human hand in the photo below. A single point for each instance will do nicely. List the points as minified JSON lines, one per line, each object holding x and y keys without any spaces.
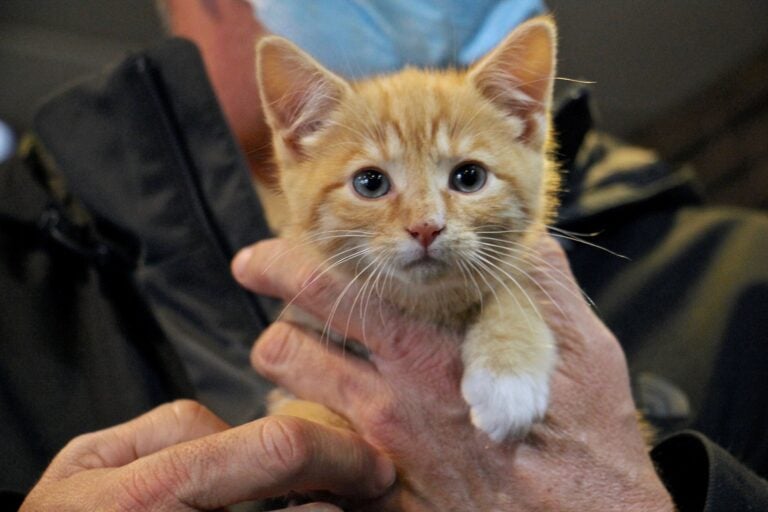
{"x":588,"y":453}
{"x":180,"y":456}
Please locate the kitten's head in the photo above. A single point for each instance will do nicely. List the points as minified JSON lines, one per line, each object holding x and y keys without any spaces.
{"x":427,"y":177}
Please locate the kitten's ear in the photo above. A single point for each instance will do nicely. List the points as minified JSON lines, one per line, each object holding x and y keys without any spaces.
{"x":518,"y":75}
{"x":298,"y":95}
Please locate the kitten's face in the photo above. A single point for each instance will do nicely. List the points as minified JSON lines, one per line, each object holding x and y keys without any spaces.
{"x":421,"y":177}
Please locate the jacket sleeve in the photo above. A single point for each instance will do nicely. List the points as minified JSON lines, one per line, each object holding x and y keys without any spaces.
{"x":703,"y":477}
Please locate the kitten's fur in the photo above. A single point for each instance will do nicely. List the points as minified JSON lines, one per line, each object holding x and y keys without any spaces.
{"x":417,"y":126}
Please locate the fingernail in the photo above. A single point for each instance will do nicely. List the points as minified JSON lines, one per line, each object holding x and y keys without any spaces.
{"x":240,"y":262}
{"x":385,"y":473}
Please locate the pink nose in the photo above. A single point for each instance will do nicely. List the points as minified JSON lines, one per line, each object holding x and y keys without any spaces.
{"x":425,"y":233}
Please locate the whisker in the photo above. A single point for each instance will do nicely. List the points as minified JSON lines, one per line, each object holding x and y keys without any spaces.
{"x":310,"y":239}
{"x":530,"y":278}
{"x":476,"y":266}
{"x":326,"y":334}
{"x":361,"y":294}
{"x":492,"y":266}
{"x":559,"y":233}
{"x":464,"y":266}
{"x":530,"y":253}
{"x":306,"y":284}
{"x":346,"y":255}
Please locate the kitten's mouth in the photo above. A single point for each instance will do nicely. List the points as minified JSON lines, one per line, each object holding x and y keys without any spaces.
{"x":424,"y":262}
{"x":424,"y":259}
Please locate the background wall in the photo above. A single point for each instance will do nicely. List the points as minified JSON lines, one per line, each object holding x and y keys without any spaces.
{"x":688,"y":77}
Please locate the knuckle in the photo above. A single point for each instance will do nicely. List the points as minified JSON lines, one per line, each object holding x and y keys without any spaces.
{"x":186,"y":416}
{"x":349,"y":388}
{"x":80,"y":443}
{"x":383,"y":419}
{"x":80,"y":453}
{"x":284,"y":450}
{"x":317,"y":288}
{"x":149,"y":487}
{"x":134,"y":492}
{"x":187,"y":411}
{"x":277,"y":346}
{"x":413,"y":343}
{"x":399,"y":345}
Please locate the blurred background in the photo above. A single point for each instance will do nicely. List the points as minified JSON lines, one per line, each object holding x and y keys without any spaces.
{"x":686,"y":77}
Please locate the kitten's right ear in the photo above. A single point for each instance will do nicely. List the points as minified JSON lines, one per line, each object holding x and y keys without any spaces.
{"x":298,"y":94}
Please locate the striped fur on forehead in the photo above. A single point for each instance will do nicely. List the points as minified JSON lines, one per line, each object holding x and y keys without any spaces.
{"x":430,"y":114}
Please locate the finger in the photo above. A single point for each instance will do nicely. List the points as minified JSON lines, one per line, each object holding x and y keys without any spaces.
{"x":294,"y":359}
{"x":266,"y":458}
{"x":263,"y":269}
{"x":313,"y":507}
{"x":164,"y":426}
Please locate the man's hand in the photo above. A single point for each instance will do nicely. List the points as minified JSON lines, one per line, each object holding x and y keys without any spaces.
{"x":182,"y":457}
{"x":588,"y":453}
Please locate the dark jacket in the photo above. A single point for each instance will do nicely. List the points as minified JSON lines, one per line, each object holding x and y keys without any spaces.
{"x":118,"y":224}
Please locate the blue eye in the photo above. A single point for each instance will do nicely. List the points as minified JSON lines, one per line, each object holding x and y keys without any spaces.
{"x":370,"y":183}
{"x":468,"y":177}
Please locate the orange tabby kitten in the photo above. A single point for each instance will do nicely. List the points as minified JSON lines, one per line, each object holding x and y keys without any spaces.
{"x":437,"y":180}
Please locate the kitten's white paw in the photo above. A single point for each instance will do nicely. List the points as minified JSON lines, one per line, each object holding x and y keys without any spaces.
{"x":505,"y":405}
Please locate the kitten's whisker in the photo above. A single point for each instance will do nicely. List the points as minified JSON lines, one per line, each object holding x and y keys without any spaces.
{"x":481,"y":273}
{"x":279,"y":255}
{"x":337,"y":234}
{"x":306,"y":284}
{"x":534,"y":281}
{"x":310,"y":239}
{"x":386,"y":286}
{"x":463,"y":273}
{"x":384,"y":259}
{"x":490,"y":268}
{"x":343,"y":231}
{"x":573,"y":233}
{"x":493,"y":266}
{"x":501,"y":232}
{"x":337,"y":303}
{"x":527,"y":252}
{"x":573,"y":238}
{"x":344,"y":256}
{"x":575,"y":80}
{"x":380,"y":271}
{"x":385,"y":269}
{"x":361,"y":294}
{"x":463,"y":265}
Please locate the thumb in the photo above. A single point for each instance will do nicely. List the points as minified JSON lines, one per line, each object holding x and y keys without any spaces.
{"x":164,"y":426}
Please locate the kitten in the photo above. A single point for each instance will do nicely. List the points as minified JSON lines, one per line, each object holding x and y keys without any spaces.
{"x":438,"y":180}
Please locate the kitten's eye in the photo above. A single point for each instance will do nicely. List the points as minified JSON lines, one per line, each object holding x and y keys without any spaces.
{"x":468,"y":177}
{"x":371,"y":183}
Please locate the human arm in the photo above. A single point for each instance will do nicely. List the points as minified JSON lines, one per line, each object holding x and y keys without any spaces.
{"x":180,"y":456}
{"x":225,"y":31}
{"x":588,"y":453}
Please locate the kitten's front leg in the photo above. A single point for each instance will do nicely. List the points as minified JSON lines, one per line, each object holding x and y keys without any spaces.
{"x":508,"y":354}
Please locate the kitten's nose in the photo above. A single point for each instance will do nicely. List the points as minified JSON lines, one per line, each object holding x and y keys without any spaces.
{"x":425,"y":232}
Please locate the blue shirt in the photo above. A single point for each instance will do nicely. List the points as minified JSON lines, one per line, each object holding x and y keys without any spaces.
{"x":357,"y":38}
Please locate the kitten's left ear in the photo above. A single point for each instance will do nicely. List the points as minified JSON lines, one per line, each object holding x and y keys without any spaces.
{"x":297,"y":93}
{"x":518,"y":75}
